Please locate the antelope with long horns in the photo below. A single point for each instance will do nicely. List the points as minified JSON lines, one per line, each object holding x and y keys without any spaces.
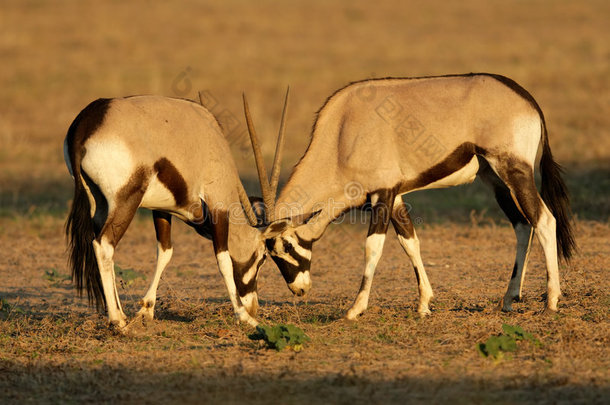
{"x":168,"y":155}
{"x":376,"y":140}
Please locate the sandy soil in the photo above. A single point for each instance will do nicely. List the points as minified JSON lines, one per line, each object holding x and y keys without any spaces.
{"x":54,"y":348}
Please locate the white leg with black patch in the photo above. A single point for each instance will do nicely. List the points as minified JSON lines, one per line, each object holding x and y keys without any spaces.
{"x":524,"y":233}
{"x":373,"y":250}
{"x":225,"y":265}
{"x":104,"y":253}
{"x":147,"y":311}
{"x":411,"y":248}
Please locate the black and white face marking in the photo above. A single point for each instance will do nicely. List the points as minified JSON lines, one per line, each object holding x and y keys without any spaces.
{"x":292,"y":255}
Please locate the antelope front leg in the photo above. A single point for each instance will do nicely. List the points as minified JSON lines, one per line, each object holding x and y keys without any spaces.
{"x":380,"y":218}
{"x":220,"y":237}
{"x":225,"y":265}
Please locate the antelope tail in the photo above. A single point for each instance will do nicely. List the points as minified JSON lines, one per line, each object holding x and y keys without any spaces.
{"x":555,"y":196}
{"x":79,"y":228}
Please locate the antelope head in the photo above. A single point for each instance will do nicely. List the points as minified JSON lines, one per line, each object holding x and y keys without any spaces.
{"x":291,"y":254}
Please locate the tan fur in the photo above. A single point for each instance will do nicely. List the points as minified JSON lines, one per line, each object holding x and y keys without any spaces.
{"x":401,"y":135}
{"x":167,"y":155}
{"x":351,"y":142}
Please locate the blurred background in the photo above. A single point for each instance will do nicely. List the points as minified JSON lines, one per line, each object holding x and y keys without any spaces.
{"x":56,"y":57}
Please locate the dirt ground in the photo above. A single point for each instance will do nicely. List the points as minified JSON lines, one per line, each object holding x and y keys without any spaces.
{"x":59,"y":56}
{"x":54,"y":348}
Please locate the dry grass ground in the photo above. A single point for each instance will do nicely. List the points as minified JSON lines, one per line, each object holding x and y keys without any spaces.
{"x":53,"y":348}
{"x":59,"y":56}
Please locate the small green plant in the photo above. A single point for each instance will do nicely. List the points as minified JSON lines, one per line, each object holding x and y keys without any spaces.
{"x":517,"y":333}
{"x":497,"y":346}
{"x":281,"y":336}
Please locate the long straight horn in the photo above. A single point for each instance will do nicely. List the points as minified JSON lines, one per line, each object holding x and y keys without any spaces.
{"x":245,"y":202}
{"x":268,"y":199}
{"x":275,"y":171}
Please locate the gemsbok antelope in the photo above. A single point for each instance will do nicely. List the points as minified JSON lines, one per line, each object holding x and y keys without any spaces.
{"x":168,"y":155}
{"x":378,"y":139}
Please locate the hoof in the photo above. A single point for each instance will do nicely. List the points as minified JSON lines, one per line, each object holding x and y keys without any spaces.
{"x":147,"y":310}
{"x":244,"y":317}
{"x":424,"y":312}
{"x":145,"y":314}
{"x":507,"y":303}
{"x":352,"y":316}
{"x":118,"y":327}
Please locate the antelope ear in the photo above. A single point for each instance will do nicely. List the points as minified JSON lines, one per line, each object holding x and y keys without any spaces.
{"x":258,"y":206}
{"x":276,"y":227}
